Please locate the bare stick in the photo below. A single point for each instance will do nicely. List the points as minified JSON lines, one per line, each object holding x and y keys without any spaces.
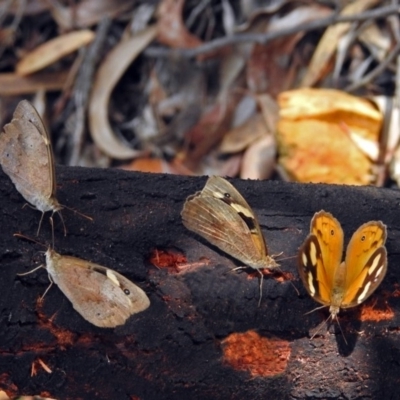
{"x":263,"y":38}
{"x":375,"y":72}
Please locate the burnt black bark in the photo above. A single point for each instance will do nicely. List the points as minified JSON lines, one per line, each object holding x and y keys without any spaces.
{"x":175,"y":348}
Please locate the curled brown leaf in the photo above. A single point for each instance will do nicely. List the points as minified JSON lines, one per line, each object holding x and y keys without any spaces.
{"x":107,"y":77}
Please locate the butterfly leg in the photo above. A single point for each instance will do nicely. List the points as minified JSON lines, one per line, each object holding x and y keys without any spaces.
{"x":238,"y":268}
{"x":261,"y":283}
{"x":261,"y":280}
{"x":62,"y":220}
{"x":340,"y":327}
{"x":320,"y":326}
{"x":48,"y":288}
{"x":29,"y":205}
{"x":40,"y":224}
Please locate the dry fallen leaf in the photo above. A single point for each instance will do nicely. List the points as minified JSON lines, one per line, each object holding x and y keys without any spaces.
{"x":377,"y":41}
{"x":254,"y":10}
{"x":171,"y":28}
{"x":30,"y":7}
{"x":327,"y":45}
{"x":86,"y":13}
{"x":313,"y":144}
{"x":269,"y":68}
{"x":157,"y":165}
{"x":3,"y":395}
{"x":14,"y":85}
{"x":213,"y":164}
{"x":52,"y":50}
{"x":148,"y":164}
{"x":259,"y":159}
{"x":381,"y":152}
{"x":108,"y":74}
{"x":208,"y":131}
{"x":269,"y":110}
{"x":239,"y":138}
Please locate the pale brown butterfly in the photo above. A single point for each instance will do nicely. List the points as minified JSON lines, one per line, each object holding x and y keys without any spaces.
{"x":221,"y":215}
{"x":26,"y":156}
{"x":336,"y":283}
{"x":100,"y":295}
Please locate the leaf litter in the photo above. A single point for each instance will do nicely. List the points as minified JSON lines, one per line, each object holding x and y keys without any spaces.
{"x":212,"y":87}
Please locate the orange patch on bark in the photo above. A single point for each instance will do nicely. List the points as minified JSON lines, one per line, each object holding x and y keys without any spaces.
{"x":167,"y":258}
{"x":279,"y":276}
{"x":8,"y":385}
{"x":189,"y":267}
{"x":395,"y":293}
{"x":175,"y":260}
{"x":259,"y":355}
{"x":64,"y":337}
{"x":369,"y":313}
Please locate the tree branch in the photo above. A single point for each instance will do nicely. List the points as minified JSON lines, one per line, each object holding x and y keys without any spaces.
{"x":263,"y":38}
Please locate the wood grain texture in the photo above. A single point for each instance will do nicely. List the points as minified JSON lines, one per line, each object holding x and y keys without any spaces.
{"x":178,"y":348}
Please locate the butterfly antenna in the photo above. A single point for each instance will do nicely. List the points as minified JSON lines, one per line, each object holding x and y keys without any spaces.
{"x":284,"y":258}
{"x":20,"y":235}
{"x":79,"y":213}
{"x":40,"y":224}
{"x":315,"y":309}
{"x":62,"y":220}
{"x":344,"y":338}
{"x":294,"y":287}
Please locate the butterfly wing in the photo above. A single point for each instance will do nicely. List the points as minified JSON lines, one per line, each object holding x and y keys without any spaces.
{"x":27,"y":111}
{"x":366,"y":263}
{"x":223,"y":190}
{"x":221,"y":215}
{"x":26,"y":157}
{"x":102,"y":296}
{"x":320,"y":255}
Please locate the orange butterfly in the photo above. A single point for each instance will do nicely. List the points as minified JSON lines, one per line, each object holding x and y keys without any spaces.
{"x":336,"y":283}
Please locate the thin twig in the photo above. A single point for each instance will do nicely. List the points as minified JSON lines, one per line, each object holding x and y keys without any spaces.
{"x":82,"y":88}
{"x":14,"y":25}
{"x":375,"y":72}
{"x":3,"y":10}
{"x":263,"y":38}
{"x":397,"y":91}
